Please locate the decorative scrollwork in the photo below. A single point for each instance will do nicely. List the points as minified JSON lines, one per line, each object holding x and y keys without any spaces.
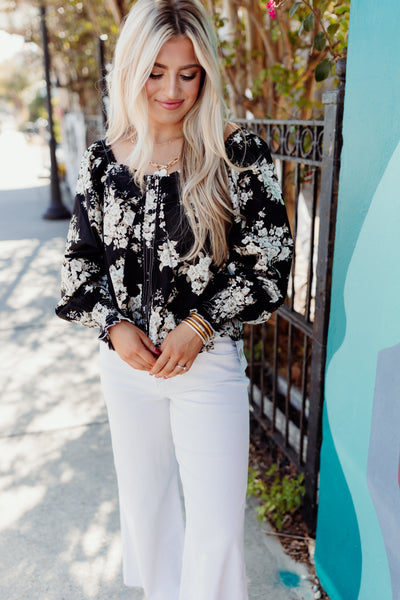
{"x":290,"y":141}
{"x":297,"y":141}
{"x":274,"y":138}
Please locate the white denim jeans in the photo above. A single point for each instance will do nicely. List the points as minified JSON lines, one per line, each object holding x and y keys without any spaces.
{"x":194,"y":426}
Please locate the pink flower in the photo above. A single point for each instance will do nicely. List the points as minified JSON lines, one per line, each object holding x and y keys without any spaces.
{"x":271,"y":6}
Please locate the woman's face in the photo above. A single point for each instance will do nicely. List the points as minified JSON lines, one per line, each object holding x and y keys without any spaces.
{"x":174,"y":83}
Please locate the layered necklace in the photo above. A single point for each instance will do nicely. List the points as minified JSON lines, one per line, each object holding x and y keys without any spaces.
{"x":161,"y":169}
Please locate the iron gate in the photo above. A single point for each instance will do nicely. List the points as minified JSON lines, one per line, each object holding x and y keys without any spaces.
{"x":287,"y":355}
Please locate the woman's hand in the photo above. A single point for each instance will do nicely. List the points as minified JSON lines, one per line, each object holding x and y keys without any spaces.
{"x":133,"y":346}
{"x":180,"y":347}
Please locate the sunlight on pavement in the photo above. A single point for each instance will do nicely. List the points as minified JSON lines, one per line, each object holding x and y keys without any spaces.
{"x":23,"y":165}
{"x":16,"y":502}
{"x":99,"y":551}
{"x":103,"y":568}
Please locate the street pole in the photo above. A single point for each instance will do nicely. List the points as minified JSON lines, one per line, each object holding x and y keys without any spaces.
{"x":103,"y":74}
{"x":56,"y":208}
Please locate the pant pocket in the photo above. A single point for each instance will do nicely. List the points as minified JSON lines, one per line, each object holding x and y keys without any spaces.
{"x":241,"y":355}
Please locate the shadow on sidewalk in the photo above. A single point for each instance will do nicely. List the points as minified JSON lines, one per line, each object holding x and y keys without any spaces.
{"x":59,"y":517}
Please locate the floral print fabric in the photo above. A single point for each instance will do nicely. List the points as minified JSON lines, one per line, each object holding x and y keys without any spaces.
{"x":124,"y":254}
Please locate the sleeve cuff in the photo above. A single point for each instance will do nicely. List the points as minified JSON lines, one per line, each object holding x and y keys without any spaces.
{"x":112,"y":319}
{"x":205,"y":318}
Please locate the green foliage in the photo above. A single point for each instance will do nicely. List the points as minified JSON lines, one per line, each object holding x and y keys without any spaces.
{"x":258,"y":83}
{"x":73,"y":32}
{"x":278,"y":59}
{"x":309,"y":23}
{"x":19,"y":78}
{"x":37,"y":107}
{"x":294,"y":8}
{"x":323,"y":69}
{"x":320,"y":41}
{"x":280,"y":497}
{"x":332,"y":29}
{"x":275,"y":60}
{"x":328,"y":22}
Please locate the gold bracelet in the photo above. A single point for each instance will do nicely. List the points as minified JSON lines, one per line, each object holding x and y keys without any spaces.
{"x":197,"y":327}
{"x":196,"y":330}
{"x":201,"y":326}
{"x":202,"y":322}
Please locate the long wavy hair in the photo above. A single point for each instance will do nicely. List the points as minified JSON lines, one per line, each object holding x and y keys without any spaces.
{"x":203,"y":176}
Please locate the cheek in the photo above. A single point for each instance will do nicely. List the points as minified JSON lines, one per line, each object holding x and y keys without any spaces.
{"x":194,"y":89}
{"x":150,"y":87}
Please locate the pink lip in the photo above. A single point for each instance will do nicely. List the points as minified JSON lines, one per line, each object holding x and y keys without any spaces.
{"x":170,"y":105}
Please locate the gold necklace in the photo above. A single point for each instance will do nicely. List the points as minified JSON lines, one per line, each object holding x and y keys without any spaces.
{"x":170,"y":164}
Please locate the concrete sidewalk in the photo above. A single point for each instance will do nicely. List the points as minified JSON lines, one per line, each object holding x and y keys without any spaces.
{"x":59,"y":523}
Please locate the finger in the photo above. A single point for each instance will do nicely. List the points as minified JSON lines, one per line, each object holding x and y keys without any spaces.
{"x":176,"y":371}
{"x":168,"y":368}
{"x":143,"y":352}
{"x":137,"y":366}
{"x":146,"y":352}
{"x":147,"y":343}
{"x":159,"y":365}
{"x":137,"y":363}
{"x":139,"y":358}
{"x":179,"y":370}
{"x":147,"y":358}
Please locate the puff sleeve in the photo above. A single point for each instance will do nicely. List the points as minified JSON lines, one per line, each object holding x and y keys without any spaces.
{"x":253,"y":284}
{"x":85,"y":292}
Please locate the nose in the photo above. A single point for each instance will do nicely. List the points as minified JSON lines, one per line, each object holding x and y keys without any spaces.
{"x":172,"y":86}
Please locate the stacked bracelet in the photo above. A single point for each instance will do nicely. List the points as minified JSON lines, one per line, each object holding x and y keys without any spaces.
{"x":200,"y":326}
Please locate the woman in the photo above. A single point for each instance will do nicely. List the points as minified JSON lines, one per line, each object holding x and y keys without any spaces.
{"x":179,"y":236}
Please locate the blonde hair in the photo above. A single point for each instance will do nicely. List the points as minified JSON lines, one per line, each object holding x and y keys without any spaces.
{"x":203,"y":177}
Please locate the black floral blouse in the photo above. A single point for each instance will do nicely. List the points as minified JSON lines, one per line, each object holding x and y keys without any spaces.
{"x":124,"y":251}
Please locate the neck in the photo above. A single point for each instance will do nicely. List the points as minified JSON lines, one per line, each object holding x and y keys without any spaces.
{"x":165,"y":135}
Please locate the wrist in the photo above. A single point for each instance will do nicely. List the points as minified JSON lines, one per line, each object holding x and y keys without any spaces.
{"x":121,"y":324}
{"x":200,"y":326}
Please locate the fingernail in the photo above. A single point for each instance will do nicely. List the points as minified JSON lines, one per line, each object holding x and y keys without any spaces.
{"x":157,"y":351}
{"x":165,"y":377}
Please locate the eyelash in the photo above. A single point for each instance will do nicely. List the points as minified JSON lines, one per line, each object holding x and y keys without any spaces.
{"x":184,"y":77}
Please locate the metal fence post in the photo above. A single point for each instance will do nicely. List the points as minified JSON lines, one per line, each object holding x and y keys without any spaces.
{"x":103,"y":75}
{"x":56,"y":208}
{"x":332,"y":145}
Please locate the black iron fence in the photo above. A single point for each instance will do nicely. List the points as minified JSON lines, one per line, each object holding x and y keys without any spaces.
{"x":287,"y":355}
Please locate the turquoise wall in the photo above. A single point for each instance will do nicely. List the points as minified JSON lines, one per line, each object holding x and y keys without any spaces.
{"x":358,"y":532}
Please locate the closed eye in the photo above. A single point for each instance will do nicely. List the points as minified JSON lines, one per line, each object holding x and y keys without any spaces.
{"x":183,"y":77}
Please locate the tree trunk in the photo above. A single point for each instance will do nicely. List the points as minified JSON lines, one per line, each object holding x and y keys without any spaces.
{"x":118,"y":10}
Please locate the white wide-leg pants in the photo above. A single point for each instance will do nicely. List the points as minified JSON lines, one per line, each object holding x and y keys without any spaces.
{"x":194,"y":426}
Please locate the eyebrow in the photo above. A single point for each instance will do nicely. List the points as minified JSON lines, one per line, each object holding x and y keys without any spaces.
{"x":181,"y":68}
